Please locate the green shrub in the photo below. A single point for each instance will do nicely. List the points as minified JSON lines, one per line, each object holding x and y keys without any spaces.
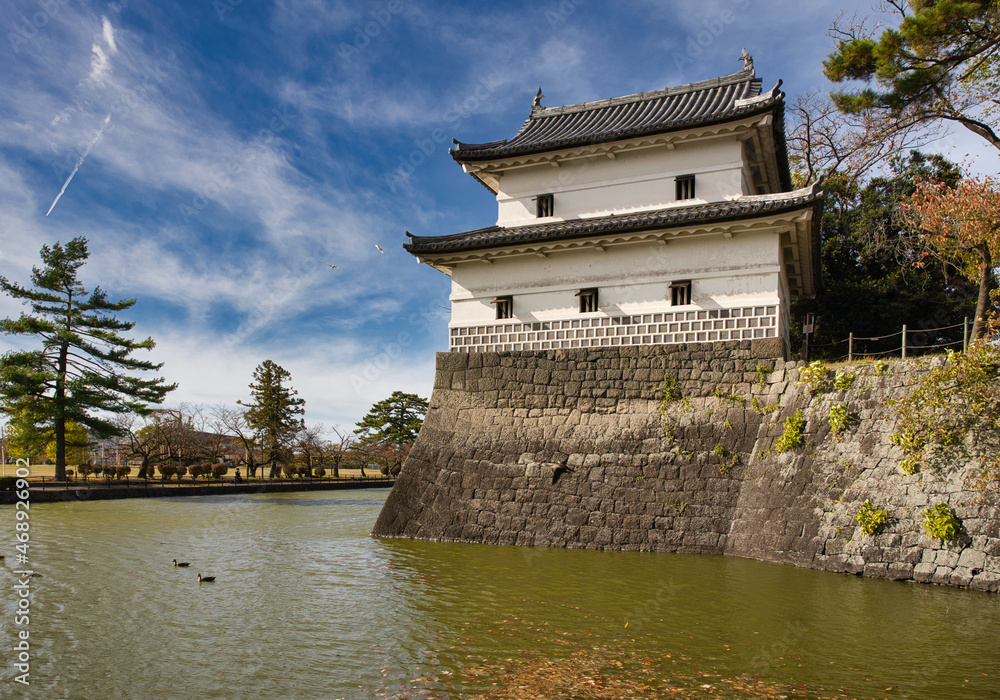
{"x":843,"y":381}
{"x":949,"y":403}
{"x":940,"y":523}
{"x":815,"y":376}
{"x":870,"y":518}
{"x":881,"y":367}
{"x":792,"y":437}
{"x":839,"y":418}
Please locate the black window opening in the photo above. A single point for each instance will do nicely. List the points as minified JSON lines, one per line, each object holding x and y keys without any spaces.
{"x":685,"y":187}
{"x":680,"y":293}
{"x":544,"y":205}
{"x":588,"y":300}
{"x":504,"y":307}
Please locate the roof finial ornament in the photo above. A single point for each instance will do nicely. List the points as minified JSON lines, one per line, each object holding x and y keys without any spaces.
{"x":537,"y":102}
{"x":747,"y":60}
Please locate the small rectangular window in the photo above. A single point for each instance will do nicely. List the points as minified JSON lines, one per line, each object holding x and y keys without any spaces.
{"x":680,"y":293}
{"x":588,"y":300}
{"x":504,"y":306}
{"x":544,"y":205}
{"x":685,"y":187}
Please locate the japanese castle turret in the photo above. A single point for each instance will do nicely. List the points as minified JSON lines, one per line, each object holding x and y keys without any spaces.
{"x":655,"y":218}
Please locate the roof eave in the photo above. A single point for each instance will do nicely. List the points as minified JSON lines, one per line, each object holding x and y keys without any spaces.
{"x":809,"y":197}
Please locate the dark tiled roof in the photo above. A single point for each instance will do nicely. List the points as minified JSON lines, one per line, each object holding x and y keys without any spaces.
{"x":499,"y":236}
{"x":645,"y":113}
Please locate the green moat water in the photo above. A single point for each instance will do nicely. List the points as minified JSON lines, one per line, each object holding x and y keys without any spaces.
{"x":307,"y":605}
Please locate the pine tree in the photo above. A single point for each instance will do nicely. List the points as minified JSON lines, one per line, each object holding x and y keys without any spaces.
{"x":274,"y":412}
{"x":83,"y":371}
{"x":941,"y":63}
{"x":393,"y":421}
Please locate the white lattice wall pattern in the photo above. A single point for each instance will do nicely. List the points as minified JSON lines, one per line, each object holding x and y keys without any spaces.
{"x":697,"y":326}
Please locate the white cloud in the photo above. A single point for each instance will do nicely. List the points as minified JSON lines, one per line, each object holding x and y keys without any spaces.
{"x":100,"y":61}
{"x":108,"y":33}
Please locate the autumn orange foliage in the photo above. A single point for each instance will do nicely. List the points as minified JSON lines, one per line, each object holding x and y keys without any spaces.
{"x":962,"y":226}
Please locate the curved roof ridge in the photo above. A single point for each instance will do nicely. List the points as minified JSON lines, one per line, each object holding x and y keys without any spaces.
{"x":705,"y":102}
{"x":746,"y":74}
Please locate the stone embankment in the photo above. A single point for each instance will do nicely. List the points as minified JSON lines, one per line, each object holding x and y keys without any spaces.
{"x":577,"y":448}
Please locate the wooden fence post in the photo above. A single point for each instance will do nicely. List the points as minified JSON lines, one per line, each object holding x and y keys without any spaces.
{"x":965,"y":335}
{"x":850,"y":347}
{"x":904,"y":341}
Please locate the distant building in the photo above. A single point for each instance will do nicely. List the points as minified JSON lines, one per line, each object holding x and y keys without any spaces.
{"x":660,"y":217}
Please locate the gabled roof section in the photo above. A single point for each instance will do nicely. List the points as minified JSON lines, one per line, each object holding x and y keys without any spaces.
{"x":709,"y":101}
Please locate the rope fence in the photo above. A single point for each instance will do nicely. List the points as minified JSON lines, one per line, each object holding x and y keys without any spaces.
{"x":904,"y":346}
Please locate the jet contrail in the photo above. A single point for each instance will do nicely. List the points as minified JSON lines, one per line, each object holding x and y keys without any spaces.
{"x":100,"y":132}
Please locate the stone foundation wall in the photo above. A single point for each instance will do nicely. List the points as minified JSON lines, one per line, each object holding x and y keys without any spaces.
{"x":577,"y":448}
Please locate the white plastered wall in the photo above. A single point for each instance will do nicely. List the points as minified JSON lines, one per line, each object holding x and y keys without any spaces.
{"x":637,"y":180}
{"x":633,"y":278}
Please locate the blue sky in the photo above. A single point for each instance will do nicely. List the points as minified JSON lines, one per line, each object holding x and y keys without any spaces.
{"x":233,"y":149}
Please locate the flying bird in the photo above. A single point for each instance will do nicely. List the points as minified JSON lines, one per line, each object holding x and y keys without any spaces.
{"x":379,"y":248}
{"x":331,"y":266}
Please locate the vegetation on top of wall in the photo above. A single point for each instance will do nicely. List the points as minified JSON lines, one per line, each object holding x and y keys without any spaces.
{"x":950,"y":403}
{"x":870,"y":518}
{"x":941,"y":523}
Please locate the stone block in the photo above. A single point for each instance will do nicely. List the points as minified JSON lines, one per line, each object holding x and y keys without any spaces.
{"x":986,"y":581}
{"x":924,"y":572}
{"x":961,"y":577}
{"x":942,"y":575}
{"x":854,"y":565}
{"x":947,"y":558}
{"x":972,"y":559}
{"x":877,"y":570}
{"x":900,"y":571}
